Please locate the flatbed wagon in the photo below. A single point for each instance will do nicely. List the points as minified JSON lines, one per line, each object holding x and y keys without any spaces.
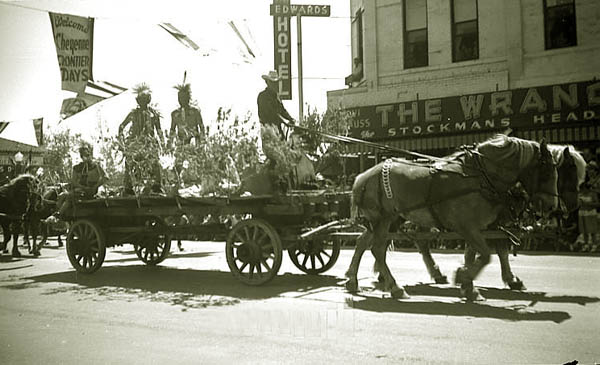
{"x":256,"y":229}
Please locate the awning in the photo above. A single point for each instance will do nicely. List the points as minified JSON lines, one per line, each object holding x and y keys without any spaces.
{"x":425,"y":144}
{"x":555,"y":135}
{"x":562,"y":135}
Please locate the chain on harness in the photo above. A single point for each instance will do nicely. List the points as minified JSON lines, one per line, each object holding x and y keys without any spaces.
{"x":385,"y":176}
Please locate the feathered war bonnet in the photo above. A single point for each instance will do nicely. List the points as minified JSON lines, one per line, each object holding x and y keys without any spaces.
{"x":143,"y":93}
{"x":184,"y":89}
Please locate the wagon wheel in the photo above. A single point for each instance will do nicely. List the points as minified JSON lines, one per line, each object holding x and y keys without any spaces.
{"x":315,"y":256}
{"x":153,"y":249}
{"x":86,"y":246}
{"x":254,"y":251}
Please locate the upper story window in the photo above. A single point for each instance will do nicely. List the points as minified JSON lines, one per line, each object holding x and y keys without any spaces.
{"x":416,"y":53}
{"x":465,"y":30}
{"x":358,"y":31}
{"x":559,"y":23}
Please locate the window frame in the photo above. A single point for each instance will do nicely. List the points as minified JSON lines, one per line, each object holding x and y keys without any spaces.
{"x":405,"y":36}
{"x":546,"y":39}
{"x":453,"y":30}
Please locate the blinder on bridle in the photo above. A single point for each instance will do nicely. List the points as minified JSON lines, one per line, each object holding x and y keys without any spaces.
{"x":541,"y":170}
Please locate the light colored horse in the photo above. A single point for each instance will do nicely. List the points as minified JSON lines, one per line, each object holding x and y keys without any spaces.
{"x":462,"y":202}
{"x":571,"y":168}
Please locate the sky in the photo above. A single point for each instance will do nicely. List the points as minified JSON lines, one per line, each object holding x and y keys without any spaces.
{"x":129,"y":48}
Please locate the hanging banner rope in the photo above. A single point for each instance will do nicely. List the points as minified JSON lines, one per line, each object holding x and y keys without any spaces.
{"x":74,"y":39}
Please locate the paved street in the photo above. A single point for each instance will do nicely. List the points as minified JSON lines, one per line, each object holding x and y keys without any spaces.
{"x":191,"y":310}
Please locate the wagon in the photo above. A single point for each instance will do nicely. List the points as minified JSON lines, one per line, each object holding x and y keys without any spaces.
{"x":256,"y":229}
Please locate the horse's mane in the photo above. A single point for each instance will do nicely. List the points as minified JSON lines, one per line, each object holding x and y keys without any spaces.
{"x":501,"y":148}
{"x":9,"y":185}
{"x":557,"y":155}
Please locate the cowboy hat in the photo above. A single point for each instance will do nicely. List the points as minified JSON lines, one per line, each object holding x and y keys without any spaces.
{"x":271,"y":76}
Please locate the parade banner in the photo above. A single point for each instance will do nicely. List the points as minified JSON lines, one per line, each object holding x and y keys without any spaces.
{"x":95,"y":91}
{"x":38,"y":126}
{"x":74,"y":38}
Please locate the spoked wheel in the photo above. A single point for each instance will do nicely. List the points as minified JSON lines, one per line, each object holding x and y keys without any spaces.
{"x":86,"y":246}
{"x":153,"y":249}
{"x":315,"y":256}
{"x":254,"y":251}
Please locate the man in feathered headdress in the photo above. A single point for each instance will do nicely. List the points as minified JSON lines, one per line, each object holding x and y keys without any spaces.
{"x":145,"y":129}
{"x":186,"y":121}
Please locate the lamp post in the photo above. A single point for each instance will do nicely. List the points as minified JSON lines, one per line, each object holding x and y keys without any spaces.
{"x":18,"y":163}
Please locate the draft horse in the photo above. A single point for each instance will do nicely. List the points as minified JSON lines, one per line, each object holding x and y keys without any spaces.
{"x":571,"y":174}
{"x":464,"y":194}
{"x":15,"y":197}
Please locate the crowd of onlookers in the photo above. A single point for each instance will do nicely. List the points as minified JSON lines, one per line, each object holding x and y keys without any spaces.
{"x":589,"y":196}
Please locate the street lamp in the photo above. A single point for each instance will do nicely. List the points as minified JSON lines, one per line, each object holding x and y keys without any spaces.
{"x":18,"y":157}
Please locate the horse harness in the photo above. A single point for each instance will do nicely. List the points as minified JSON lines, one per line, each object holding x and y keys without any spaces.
{"x":509,"y":195}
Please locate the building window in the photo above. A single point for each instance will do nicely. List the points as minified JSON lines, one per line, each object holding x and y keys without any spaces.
{"x":358,"y":35}
{"x":416,"y":53}
{"x":559,"y":23}
{"x":465,"y":30}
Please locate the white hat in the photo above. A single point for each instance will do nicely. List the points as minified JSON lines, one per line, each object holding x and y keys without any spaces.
{"x":271,"y":76}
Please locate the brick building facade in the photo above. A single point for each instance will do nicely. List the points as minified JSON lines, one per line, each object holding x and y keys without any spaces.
{"x":441,"y":73}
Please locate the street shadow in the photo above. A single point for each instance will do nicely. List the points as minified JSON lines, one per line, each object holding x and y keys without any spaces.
{"x":171,"y":256}
{"x":201,"y":288}
{"x":15,"y":268}
{"x":501,"y":294}
{"x":459,"y":309}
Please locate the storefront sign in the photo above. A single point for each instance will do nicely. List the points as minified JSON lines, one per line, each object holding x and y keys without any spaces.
{"x":74,"y":38}
{"x":575,"y":103}
{"x":283,"y":51}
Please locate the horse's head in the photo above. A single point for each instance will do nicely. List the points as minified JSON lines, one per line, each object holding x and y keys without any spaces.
{"x":23,"y":185}
{"x":540,"y":179}
{"x":571,"y":174}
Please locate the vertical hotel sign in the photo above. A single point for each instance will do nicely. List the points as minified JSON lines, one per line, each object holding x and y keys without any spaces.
{"x":283,"y":52}
{"x":74,"y":38}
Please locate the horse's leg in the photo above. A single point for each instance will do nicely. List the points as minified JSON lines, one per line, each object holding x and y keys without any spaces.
{"x":15,"y":248}
{"x":34,"y":227}
{"x":466,"y":275}
{"x":362,"y":243}
{"x":432,"y":268}
{"x":379,"y":249}
{"x":26,"y":235}
{"x":43,"y":228}
{"x":508,"y":277}
{"x":5,"y":236}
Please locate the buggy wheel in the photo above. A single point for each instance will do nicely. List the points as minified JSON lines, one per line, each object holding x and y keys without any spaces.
{"x":86,"y":246}
{"x":153,"y":249}
{"x":254,"y":251}
{"x":315,"y":256}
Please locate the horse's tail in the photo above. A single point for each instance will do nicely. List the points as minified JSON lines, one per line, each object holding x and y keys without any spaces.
{"x":358,"y":190}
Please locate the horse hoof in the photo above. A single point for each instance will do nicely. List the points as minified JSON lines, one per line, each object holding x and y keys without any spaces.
{"x":441,"y":279}
{"x":36,"y":253}
{"x":400,"y":293}
{"x":16,"y":254}
{"x":460,"y":276}
{"x":351,"y":286}
{"x":516,"y":284}
{"x":472,"y":295}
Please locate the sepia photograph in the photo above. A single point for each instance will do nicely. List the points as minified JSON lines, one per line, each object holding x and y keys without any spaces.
{"x":300,"y":181}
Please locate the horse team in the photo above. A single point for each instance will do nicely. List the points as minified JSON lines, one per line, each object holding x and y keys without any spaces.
{"x":465,"y":192}
{"x":24,"y":210}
